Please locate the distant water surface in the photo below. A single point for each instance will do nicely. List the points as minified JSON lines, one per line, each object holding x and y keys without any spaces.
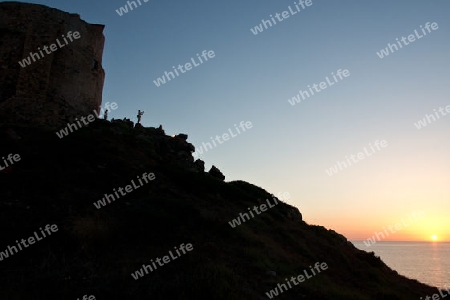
{"x":427,"y":262}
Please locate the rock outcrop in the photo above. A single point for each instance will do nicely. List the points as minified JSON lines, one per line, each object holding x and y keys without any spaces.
{"x":199,"y":165}
{"x":61,"y":81}
{"x":215,"y":172}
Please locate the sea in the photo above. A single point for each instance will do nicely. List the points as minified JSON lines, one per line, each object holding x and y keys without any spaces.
{"x":427,"y":262}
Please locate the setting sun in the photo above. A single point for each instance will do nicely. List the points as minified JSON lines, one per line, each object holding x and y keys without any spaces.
{"x":434,"y":237}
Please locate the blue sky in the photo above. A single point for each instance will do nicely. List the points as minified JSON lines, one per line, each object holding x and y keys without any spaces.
{"x":289,"y":147}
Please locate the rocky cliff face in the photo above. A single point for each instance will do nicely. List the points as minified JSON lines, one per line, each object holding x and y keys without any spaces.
{"x":64,"y":77}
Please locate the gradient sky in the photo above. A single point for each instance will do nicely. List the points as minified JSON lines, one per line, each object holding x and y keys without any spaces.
{"x":289,"y":147}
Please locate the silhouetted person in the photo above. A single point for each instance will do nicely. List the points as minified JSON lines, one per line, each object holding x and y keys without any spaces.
{"x":105,"y":115}
{"x":139,"y":115}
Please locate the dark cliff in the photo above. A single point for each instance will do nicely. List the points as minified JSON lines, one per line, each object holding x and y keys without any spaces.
{"x":62,"y":81}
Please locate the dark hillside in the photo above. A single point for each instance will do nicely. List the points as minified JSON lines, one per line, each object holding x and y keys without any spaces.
{"x":95,"y":251}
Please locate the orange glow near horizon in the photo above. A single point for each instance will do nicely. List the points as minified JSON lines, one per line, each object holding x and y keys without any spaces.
{"x":426,"y":229}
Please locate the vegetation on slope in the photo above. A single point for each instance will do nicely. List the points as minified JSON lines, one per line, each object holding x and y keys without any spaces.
{"x":96,"y":250}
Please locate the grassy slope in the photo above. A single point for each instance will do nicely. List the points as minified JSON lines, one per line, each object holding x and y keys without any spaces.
{"x":95,"y":251}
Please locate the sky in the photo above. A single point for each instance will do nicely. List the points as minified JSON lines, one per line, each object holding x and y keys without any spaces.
{"x":289,"y":148}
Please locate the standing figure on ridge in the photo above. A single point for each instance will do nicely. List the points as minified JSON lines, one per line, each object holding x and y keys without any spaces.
{"x":139,"y":115}
{"x":105,"y":115}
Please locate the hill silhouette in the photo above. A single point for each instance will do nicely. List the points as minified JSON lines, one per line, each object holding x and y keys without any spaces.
{"x":96,"y":250}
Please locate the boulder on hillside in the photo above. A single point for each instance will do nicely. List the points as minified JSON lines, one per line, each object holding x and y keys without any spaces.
{"x":183,"y":136}
{"x":215,"y":172}
{"x":199,"y":165}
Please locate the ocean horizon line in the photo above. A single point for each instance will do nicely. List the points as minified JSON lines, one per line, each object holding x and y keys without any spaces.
{"x":395,"y":241}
